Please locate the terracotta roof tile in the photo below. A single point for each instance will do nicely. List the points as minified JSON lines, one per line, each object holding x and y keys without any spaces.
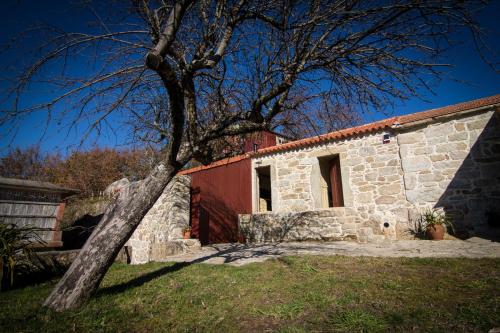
{"x":358,"y":130}
{"x":345,"y":133}
{"x":383,"y":124}
{"x":478,"y":103}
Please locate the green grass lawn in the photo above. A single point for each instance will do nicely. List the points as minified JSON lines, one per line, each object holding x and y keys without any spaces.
{"x":292,"y":294}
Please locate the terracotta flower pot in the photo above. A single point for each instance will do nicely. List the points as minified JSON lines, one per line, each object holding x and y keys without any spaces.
{"x":186,"y":234}
{"x":435,"y":232}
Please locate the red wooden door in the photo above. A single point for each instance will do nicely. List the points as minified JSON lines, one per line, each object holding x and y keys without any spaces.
{"x":336,"y":183}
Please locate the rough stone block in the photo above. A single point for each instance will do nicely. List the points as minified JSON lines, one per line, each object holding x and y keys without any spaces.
{"x":161,"y":251}
{"x":438,"y":157}
{"x":385,"y":200}
{"x":359,"y":167}
{"x":371,"y":176}
{"x":450,"y":147}
{"x":460,"y":127}
{"x":478,"y":124}
{"x":460,"y":136}
{"x":366,"y":197}
{"x":438,"y":130}
{"x":367,"y":188}
{"x":412,"y":164}
{"x":283,"y":172}
{"x":422,"y":151}
{"x":353,"y":161}
{"x":366,"y":151}
{"x":393,"y":162}
{"x":365,"y":231}
{"x":430,"y":177}
{"x":393,"y":178}
{"x":386,"y":171}
{"x":389,"y":189}
{"x":410,"y":181}
{"x":459,"y":154}
{"x":429,"y":194}
{"x":411,"y":137}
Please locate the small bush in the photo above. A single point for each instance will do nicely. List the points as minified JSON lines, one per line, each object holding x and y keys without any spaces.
{"x":15,"y":251}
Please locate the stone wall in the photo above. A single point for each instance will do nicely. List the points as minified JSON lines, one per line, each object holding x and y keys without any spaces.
{"x":455,"y":165}
{"x":340,"y":223}
{"x":451,"y":163}
{"x":161,"y":228}
{"x":371,"y":177}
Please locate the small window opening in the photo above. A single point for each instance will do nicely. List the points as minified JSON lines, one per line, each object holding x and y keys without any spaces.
{"x":331,"y":182}
{"x":264,"y":186}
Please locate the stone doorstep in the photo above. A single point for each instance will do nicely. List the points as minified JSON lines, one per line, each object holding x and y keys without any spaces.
{"x":161,"y":251}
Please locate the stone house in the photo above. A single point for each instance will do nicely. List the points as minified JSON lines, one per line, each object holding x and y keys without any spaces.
{"x":367,"y":182}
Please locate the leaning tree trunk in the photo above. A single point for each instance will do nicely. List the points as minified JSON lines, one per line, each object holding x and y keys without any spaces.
{"x":116,"y":226}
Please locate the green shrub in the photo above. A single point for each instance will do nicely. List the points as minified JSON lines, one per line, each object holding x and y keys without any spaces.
{"x":15,"y":250}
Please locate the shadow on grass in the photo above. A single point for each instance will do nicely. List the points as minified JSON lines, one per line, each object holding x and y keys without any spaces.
{"x":226,"y":253}
{"x":140,"y":280}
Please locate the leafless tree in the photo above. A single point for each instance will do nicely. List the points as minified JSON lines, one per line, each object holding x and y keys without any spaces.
{"x":188,"y":73}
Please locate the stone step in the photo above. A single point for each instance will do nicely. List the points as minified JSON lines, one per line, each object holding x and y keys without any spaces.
{"x":378,"y":239}
{"x":161,"y":251}
{"x":365,"y":234}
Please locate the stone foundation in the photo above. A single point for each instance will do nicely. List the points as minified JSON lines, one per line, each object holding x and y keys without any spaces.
{"x":160,"y":251}
{"x":322,"y":225}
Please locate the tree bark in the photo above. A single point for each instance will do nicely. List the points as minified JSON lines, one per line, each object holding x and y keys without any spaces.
{"x":116,"y":226}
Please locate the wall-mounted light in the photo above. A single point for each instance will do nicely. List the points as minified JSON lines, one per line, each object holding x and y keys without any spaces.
{"x":386,"y":138}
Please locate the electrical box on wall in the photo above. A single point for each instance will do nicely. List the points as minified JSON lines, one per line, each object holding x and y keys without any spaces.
{"x":386,"y":138}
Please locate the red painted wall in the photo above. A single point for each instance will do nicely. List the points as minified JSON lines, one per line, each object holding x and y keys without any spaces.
{"x":262,"y":139}
{"x":218,"y":195}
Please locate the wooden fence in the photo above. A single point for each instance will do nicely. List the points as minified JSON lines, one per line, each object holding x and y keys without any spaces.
{"x":34,"y":204}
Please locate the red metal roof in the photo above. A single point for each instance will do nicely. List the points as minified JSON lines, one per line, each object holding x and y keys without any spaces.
{"x":215,"y":164}
{"x":358,"y":130}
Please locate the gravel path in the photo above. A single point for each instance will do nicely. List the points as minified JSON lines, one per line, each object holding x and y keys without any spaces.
{"x":240,"y":254}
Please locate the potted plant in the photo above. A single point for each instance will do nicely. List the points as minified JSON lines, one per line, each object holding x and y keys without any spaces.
{"x":186,"y":233}
{"x":435,"y":224}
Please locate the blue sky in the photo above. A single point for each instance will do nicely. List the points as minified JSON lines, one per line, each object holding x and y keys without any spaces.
{"x":480,"y":79}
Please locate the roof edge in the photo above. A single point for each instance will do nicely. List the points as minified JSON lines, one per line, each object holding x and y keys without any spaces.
{"x":215,"y":164}
{"x":389,"y":123}
{"x":24,"y":184}
{"x":394,"y":123}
